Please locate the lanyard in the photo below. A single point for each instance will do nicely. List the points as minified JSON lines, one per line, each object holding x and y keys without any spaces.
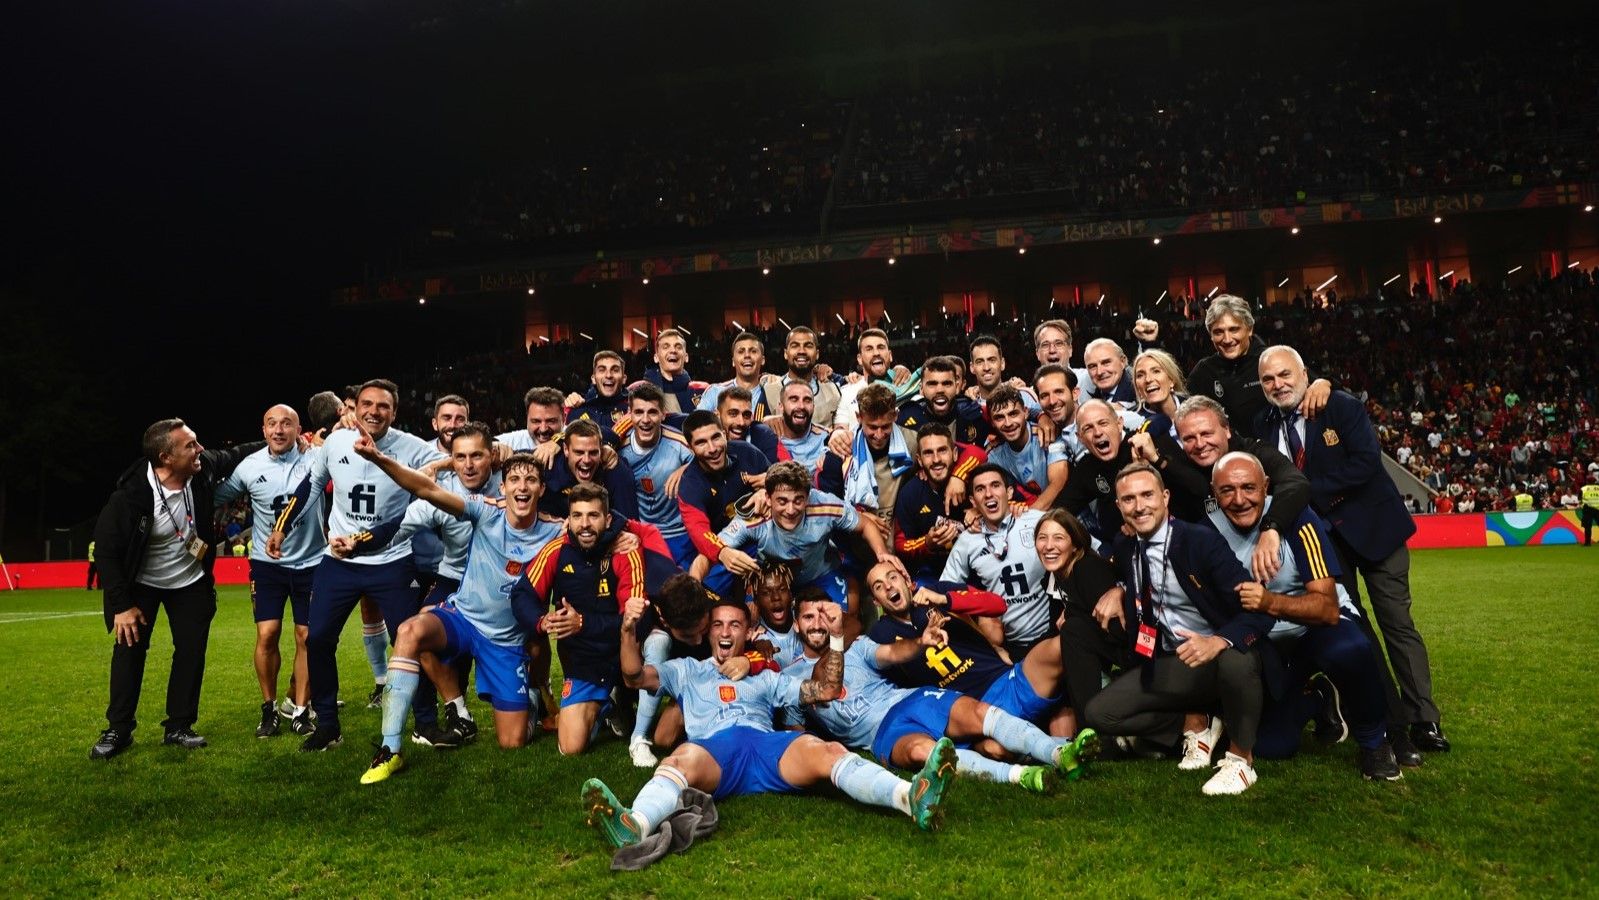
{"x":1141,"y":577}
{"x":188,"y":511}
{"x":1004,"y":550}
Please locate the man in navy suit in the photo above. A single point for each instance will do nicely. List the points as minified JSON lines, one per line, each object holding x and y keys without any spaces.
{"x":1338,"y":451}
{"x":1198,"y":643}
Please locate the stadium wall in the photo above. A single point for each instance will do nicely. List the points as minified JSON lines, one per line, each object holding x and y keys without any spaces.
{"x":73,"y":573}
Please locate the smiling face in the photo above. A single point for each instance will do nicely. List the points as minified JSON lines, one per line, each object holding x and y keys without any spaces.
{"x":800,"y":354}
{"x":730,"y":626}
{"x":774,"y":600}
{"x":544,"y":422}
{"x":798,"y":407}
{"x":1204,"y":437}
{"x":1230,"y":337}
{"x":1053,"y":346}
{"x":811,"y":621}
{"x":586,"y":521}
{"x":875,"y":357}
{"x":469,"y":456}
{"x":1284,"y":380}
{"x":891,"y":590}
{"x":939,"y":390}
{"x":749,"y":358}
{"x":991,"y":498}
{"x":788,"y":506}
{"x":1010,"y":421}
{"x":522,"y":488}
{"x":1054,"y":545}
{"x":1057,"y":399}
{"x":647,"y":417}
{"x":281,"y":429}
{"x":1240,"y":489}
{"x":936,"y":455}
{"x":182,"y":456}
{"x":1105,"y":364}
{"x":671,"y":355}
{"x":583,"y":456}
{"x":737,"y":416}
{"x":988,"y":366}
{"x":879,"y":430}
{"x":374,"y":406}
{"x":1100,"y":430}
{"x":447,"y":418}
{"x":709,"y":444}
{"x":1152,"y":382}
{"x":608,"y":376}
{"x":1142,"y":502}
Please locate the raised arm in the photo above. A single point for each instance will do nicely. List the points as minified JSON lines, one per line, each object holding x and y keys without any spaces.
{"x":411,"y":480}
{"x":635,"y":674}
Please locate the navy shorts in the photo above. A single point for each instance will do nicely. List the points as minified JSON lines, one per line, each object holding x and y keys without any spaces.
{"x":748,"y":758}
{"x":1012,"y":693}
{"x":501,"y":669}
{"x":271,"y":584}
{"x":924,"y":712}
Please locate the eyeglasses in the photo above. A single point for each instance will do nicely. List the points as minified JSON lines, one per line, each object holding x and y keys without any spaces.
{"x":1053,"y":345}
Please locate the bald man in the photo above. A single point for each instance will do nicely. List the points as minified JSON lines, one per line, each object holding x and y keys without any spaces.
{"x":268,"y":477}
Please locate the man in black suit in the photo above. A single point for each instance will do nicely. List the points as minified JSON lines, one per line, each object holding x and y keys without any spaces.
{"x":1184,"y":617}
{"x":1338,"y":451}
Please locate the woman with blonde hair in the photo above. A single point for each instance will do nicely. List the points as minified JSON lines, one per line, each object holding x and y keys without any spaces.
{"x":1159,"y":385}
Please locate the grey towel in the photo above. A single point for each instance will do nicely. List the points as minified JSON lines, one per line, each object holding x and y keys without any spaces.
{"x":694,"y":818}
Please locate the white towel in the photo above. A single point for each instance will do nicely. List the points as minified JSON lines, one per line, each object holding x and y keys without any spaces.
{"x":860,"y":484}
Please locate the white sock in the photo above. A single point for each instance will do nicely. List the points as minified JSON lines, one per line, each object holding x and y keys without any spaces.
{"x":460,"y":707}
{"x":1015,"y":776}
{"x":902,"y":797}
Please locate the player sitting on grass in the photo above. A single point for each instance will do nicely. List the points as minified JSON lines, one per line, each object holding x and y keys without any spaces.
{"x":900,"y":725}
{"x":477,"y":618}
{"x":674,"y":627}
{"x":732,"y":748}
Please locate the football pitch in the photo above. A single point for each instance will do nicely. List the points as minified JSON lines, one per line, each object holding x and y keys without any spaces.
{"x":1514,"y":809}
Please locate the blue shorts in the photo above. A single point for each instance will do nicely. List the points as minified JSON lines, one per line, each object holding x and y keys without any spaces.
{"x":683,"y":551}
{"x":924,"y":712}
{"x":1013,"y":694}
{"x":748,"y":758}
{"x":501,"y":669}
{"x":576,"y":690}
{"x":271,"y":584}
{"x":832,"y":584}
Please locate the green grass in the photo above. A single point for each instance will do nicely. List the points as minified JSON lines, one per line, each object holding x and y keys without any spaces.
{"x":1513,"y":634}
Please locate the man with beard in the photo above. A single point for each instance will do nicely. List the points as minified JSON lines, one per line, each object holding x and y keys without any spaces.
{"x":723,"y":473}
{"x":1318,"y":634}
{"x":1231,"y":375}
{"x":999,"y":557}
{"x":476,"y":619}
{"x":799,"y":438}
{"x":926,"y":522}
{"x":735,"y":410}
{"x":574,"y":590}
{"x":869,"y":477}
{"x":582,"y":462}
{"x":673,"y":627}
{"x":450,"y":412}
{"x":1110,"y":381}
{"x":749,"y":373}
{"x":1207,"y":436}
{"x":801,"y":353}
{"x":876,"y":360}
{"x":653,"y":453}
{"x":1040,"y":468}
{"x":545,"y":418}
{"x":1339,"y":453}
{"x":1093,"y":476}
{"x":943,"y":403}
{"x":269,"y":477}
{"x":732,"y":749}
{"x":363,"y":498}
{"x":605,"y":403}
{"x":900,"y":725}
{"x":987,"y":363}
{"x":670,"y":375}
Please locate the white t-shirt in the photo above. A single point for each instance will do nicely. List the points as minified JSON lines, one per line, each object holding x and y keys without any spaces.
{"x":167,"y":563}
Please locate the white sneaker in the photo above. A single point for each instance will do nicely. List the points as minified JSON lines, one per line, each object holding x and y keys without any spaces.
{"x":1234,"y":775}
{"x":1199,"y":746}
{"x":639,"y":751}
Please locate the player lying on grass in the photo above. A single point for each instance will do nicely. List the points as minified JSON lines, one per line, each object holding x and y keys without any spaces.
{"x":732,"y":748}
{"x":901,"y":725}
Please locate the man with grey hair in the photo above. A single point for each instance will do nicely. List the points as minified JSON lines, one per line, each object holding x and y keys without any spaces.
{"x":1230,"y":375}
{"x":154,"y":549}
{"x":1109,"y":379}
{"x":1052,"y":344}
{"x":1337,"y":450}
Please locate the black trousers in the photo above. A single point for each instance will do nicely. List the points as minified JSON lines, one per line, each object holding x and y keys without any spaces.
{"x":189,"y":613}
{"x":1151,"y":701}
{"x":1087,"y":651}
{"x":94,"y":577}
{"x":1589,"y":517}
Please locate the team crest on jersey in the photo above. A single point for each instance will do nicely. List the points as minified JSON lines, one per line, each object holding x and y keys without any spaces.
{"x":1219,"y":390}
{"x":727,"y":693}
{"x":513,"y":568}
{"x":1329,"y":437}
{"x":647,"y":484}
{"x":605,"y":567}
{"x":1101,"y":484}
{"x":566,"y":688}
{"x":971,"y":432}
{"x":1211,"y":505}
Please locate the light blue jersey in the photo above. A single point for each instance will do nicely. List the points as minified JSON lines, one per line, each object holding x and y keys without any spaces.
{"x":1030,"y":465}
{"x":498,"y":554}
{"x":789,"y":648}
{"x":651,"y":468}
{"x":270,"y":480}
{"x":1005,"y":562}
{"x":855,"y":717}
{"x":711,"y":703}
{"x":439,"y":541}
{"x":806,"y":547}
{"x":519,"y":440}
{"x":362,"y":495}
{"x":807,"y":451}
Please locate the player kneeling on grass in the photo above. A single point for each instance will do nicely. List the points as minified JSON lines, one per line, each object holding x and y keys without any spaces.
{"x":476,"y":619}
{"x":674,"y":626}
{"x":901,"y":725}
{"x":732,"y":748}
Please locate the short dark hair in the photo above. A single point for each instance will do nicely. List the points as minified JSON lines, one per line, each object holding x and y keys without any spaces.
{"x":985,"y":468}
{"x":935,"y":429}
{"x":647,"y":392}
{"x":943,"y":364}
{"x":875,"y":400}
{"x":984,"y":340}
{"x":585,"y":429}
{"x":737,"y":603}
{"x":455,"y":399}
{"x":1052,"y":323}
{"x":385,"y":384}
{"x":324,"y":410}
{"x":1137,"y":467}
{"x":811,"y":593}
{"x":698,"y":419}
{"x":1048,"y":369}
{"x":682,"y":601}
{"x":542,"y":396}
{"x":158,"y":439}
{"x":736,"y":392}
{"x":789,"y":474}
{"x":473,"y":429}
{"x":799,"y":329}
{"x":871,"y":332}
{"x":349,"y":392}
{"x":608,"y":354}
{"x":522,"y":459}
{"x":588,"y":493}
{"x":1003,"y":396}
{"x":747,"y":337}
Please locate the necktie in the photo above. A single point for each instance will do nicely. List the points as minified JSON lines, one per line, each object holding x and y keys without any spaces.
{"x":1146,"y":588}
{"x":1296,"y":447}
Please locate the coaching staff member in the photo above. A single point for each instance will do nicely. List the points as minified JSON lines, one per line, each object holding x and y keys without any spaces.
{"x":154,"y":549}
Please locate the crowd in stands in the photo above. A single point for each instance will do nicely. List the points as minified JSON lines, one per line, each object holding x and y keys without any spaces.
{"x":1483,"y":392}
{"x":1094,"y":141}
